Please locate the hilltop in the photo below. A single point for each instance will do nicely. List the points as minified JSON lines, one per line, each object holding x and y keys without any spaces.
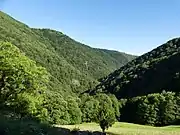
{"x":73,"y":67}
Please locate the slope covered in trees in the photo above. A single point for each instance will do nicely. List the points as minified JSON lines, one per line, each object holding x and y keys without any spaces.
{"x":73,"y":67}
{"x":33,"y":58}
{"x":24,"y":95}
{"x":43,"y":70}
{"x":152,"y":72}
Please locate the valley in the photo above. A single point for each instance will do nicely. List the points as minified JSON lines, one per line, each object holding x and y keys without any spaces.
{"x":49,"y":82}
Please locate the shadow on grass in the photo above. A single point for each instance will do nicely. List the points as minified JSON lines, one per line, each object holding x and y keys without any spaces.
{"x":110,"y":133}
{"x":10,"y":124}
{"x":31,"y":127}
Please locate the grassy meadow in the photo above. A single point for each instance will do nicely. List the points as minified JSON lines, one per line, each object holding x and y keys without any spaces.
{"x":128,"y":129}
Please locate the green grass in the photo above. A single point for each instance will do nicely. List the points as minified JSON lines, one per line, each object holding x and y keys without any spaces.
{"x":128,"y":129}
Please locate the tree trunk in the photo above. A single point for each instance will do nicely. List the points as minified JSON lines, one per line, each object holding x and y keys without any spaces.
{"x":103,"y":130}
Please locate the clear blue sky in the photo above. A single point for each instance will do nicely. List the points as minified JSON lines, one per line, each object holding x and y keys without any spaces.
{"x":133,"y":26}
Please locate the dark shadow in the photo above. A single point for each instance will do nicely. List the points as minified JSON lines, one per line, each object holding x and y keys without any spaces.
{"x":9,"y":126}
{"x":64,"y":131}
{"x":177,"y":122}
{"x":109,"y":133}
{"x":12,"y":124}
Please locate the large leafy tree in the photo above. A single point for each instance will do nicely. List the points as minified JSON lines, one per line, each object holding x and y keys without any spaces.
{"x":106,"y":115}
{"x":57,"y":108}
{"x":167,"y":108}
{"x":89,"y":108}
{"x":147,"y":109}
{"x":20,"y":80}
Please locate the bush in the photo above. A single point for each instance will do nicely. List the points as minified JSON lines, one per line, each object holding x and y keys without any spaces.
{"x":154,"y":109}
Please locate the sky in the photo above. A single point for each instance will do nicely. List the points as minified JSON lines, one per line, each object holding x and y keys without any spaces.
{"x":131,"y":26}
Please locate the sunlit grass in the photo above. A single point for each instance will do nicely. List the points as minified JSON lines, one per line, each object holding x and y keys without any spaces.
{"x":129,"y":129}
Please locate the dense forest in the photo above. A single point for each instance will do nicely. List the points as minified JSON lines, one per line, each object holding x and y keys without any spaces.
{"x":43,"y":72}
{"x":47,"y":78}
{"x":148,"y":86}
{"x":24,"y":95}
{"x":73,"y":66}
{"x":152,"y":72}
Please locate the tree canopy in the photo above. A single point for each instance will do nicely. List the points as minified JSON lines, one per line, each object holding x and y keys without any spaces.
{"x":152,"y":72}
{"x":47,"y":76}
{"x":21,"y":80}
{"x":73,"y":67}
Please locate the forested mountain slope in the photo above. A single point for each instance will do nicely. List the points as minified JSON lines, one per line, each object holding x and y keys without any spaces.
{"x":82,"y":57}
{"x":73,"y":67}
{"x":152,"y":72}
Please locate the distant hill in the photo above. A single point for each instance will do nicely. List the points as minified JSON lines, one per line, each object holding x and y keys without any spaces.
{"x":152,"y":72}
{"x":73,"y":67}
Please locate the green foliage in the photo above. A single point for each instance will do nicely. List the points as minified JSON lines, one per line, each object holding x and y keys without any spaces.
{"x":57,"y":109}
{"x":167,"y":108}
{"x":89,"y":108}
{"x":115,"y":105}
{"x":73,"y":67}
{"x":149,"y":73}
{"x":74,"y":111}
{"x":147,"y":110}
{"x":29,"y":105}
{"x":21,"y":81}
{"x":153,"y":109}
{"x":177,"y":115}
{"x":106,"y":115}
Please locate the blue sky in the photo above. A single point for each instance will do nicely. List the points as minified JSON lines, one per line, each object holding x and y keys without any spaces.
{"x":132,"y":26}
